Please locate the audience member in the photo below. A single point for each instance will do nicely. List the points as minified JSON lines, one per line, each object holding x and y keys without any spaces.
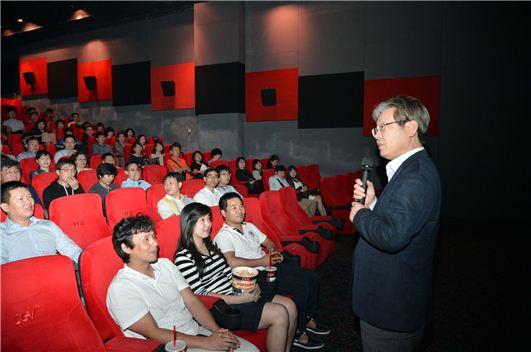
{"x":100,"y":147}
{"x":106,"y":174}
{"x":198,"y":166}
{"x":205,"y":269}
{"x":243,"y":175}
{"x":38,"y":129}
{"x":138,"y":155}
{"x":173,"y":202}
{"x":66,"y":183}
{"x":278,"y":180}
{"x":10,"y":171}
{"x":24,"y":236}
{"x":100,"y":128}
{"x":108,"y":158}
{"x":241,"y":244}
{"x":209,"y":195}
{"x":149,"y":297}
{"x":224,"y":180}
{"x":257,"y":170}
{"x":273,"y":162}
{"x":66,"y":132}
{"x":302,"y":190}
{"x":175,"y":163}
{"x":132,"y":170}
{"x":215,"y":155}
{"x":44,"y":160}
{"x":157,"y":156}
{"x":13,"y":124}
{"x":80,"y":160}
{"x":119,"y":148}
{"x":130,"y":133}
{"x":141,"y":139}
{"x":88,"y":131}
{"x":75,"y":120}
{"x":32,"y":146}
{"x":70,"y":145}
{"x":108,"y":132}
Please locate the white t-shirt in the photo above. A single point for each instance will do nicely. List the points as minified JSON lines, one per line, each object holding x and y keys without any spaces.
{"x":14,"y":124}
{"x":276,"y":183}
{"x":132,"y":295}
{"x":206,"y":197}
{"x":246,"y":245}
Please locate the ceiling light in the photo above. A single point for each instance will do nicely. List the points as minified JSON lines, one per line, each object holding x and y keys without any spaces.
{"x":20,"y":20}
{"x":79,"y":14}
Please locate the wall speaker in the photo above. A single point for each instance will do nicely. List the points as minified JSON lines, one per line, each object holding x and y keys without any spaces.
{"x":269,"y":96}
{"x":168,"y":88}
{"x":29,"y":77}
{"x":90,"y":82}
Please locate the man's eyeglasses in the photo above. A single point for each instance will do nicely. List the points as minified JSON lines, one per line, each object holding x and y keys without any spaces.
{"x":381,"y":127}
{"x":212,"y":176}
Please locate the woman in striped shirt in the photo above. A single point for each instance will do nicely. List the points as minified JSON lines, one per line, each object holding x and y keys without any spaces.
{"x":205,"y":269}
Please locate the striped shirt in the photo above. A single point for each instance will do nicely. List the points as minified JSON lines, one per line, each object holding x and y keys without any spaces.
{"x":217,"y":276}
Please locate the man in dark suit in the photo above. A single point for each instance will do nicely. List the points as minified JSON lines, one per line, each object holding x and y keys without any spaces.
{"x":393,"y":259}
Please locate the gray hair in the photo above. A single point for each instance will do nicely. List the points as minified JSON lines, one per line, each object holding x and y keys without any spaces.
{"x":406,"y":109}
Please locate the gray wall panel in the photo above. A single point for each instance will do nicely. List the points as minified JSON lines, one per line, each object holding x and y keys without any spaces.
{"x":224,"y":131}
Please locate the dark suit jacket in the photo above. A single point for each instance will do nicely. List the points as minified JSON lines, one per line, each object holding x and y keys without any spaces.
{"x":393,"y":259}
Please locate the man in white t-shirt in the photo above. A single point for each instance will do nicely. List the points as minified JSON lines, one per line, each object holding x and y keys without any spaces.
{"x":173,"y":202}
{"x":209,"y":195}
{"x":14,"y":124}
{"x":149,"y":296}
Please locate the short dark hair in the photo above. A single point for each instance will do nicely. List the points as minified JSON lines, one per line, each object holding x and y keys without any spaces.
{"x":9,"y":163}
{"x":120,"y":133}
{"x":222,"y":167}
{"x":125,"y":229}
{"x":176,"y":144}
{"x":78,"y":153}
{"x":106,"y":169}
{"x":8,"y":187}
{"x":41,"y":153}
{"x":104,"y":155}
{"x":216,"y":151}
{"x":176,"y":175}
{"x":66,"y":130}
{"x":69,"y":136}
{"x":210,"y":169}
{"x":280,"y":168}
{"x":65,"y":161}
{"x":32,"y":138}
{"x":129,"y":164}
{"x":225,"y":198}
{"x":99,"y":134}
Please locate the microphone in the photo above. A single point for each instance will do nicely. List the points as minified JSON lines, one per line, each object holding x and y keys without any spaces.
{"x":366,"y":165}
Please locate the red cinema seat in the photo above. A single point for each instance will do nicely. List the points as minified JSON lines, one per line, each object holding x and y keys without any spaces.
{"x":253,"y":214}
{"x":110,"y":141}
{"x":191,"y":187}
{"x":168,"y":233}
{"x":217,"y":221}
{"x":125,"y":202}
{"x":95,"y":161}
{"x":87,"y":179}
{"x":207,"y":155}
{"x":188,"y":158}
{"x":153,"y":195}
{"x":81,"y":217}
{"x":42,"y":310}
{"x":98,"y":265}
{"x":50,"y":147}
{"x":127,"y":152}
{"x":41,"y":181}
{"x":120,"y":176}
{"x":27,"y":166}
{"x":154,"y":174}
{"x":242,"y":189}
{"x":277,"y":217}
{"x":148,"y":149}
{"x":335,"y":203}
{"x":216,"y":163}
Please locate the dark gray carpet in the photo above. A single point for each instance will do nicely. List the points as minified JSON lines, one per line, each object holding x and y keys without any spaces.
{"x":481,"y":298}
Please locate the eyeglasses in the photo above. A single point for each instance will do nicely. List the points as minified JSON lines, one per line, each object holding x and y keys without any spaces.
{"x":212,"y":176}
{"x":381,"y":127}
{"x":68,"y":170}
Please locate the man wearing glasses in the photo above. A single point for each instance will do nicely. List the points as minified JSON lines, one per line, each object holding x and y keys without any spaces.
{"x":209,"y":195}
{"x":66,"y":183}
{"x":392,"y":267}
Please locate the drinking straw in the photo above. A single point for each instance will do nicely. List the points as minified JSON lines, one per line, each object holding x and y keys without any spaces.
{"x":269,"y":259}
{"x":174,"y":336}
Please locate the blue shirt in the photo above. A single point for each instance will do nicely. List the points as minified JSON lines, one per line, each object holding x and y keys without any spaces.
{"x":140,"y":183}
{"x":41,"y":237}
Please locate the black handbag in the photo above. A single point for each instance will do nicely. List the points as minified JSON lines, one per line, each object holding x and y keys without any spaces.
{"x":226,"y":316}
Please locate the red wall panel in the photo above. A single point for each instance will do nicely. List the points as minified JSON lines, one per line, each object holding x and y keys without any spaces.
{"x":40,"y":69}
{"x":102,"y":70}
{"x":426,"y":89}
{"x":286,"y":83}
{"x":183,"y":75}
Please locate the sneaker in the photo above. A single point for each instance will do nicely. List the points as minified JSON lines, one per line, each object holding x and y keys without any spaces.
{"x":319,"y":329}
{"x":310,"y":344}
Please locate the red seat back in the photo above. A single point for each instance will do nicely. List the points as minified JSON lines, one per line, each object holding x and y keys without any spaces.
{"x":120,"y":176}
{"x":41,"y":181}
{"x":127,"y":151}
{"x":125,"y":202}
{"x":217,"y":221}
{"x":191,"y":187}
{"x":168,"y":233}
{"x":292,"y":207}
{"x":41,"y":308}
{"x":241,"y":189}
{"x":153,"y":195}
{"x":87,"y":179}
{"x":81,"y":217}
{"x":95,"y":161}
{"x":27,"y":166}
{"x":148,"y":149}
{"x":98,"y":265}
{"x":154,"y":174}
{"x":216,"y":163}
{"x":50,"y":147}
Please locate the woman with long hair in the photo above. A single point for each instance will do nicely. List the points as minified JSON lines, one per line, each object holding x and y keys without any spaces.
{"x":205,"y":269}
{"x":302,"y":190}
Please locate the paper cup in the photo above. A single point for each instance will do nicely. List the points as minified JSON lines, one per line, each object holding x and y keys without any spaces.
{"x":180,"y":346}
{"x":271,"y":273}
